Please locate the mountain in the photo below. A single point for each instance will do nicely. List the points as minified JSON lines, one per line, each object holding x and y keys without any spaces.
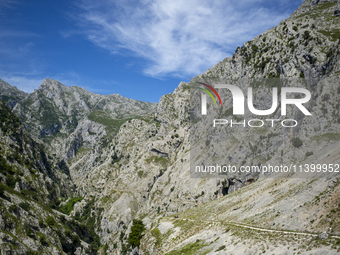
{"x":34,"y":184}
{"x":11,"y":95}
{"x":130,"y":161}
{"x":70,"y":118}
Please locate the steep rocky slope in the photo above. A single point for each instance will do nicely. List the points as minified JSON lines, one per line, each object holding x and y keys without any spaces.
{"x":11,"y":95}
{"x":34,"y":184}
{"x":138,"y":168}
{"x":306,"y":45}
{"x":148,"y":176}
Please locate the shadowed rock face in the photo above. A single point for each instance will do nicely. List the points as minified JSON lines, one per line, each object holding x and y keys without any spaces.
{"x":236,"y":184}
{"x":11,"y":95}
{"x":138,"y":168}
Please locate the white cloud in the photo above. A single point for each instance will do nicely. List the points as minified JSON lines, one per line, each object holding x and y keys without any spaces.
{"x":29,"y":83}
{"x":23,"y":83}
{"x":176,"y":37}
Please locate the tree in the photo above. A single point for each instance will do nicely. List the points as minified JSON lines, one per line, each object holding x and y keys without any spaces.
{"x":136,"y":233}
{"x":296,"y":142}
{"x":2,"y":190}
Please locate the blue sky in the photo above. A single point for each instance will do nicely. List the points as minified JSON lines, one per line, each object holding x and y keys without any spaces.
{"x":139,"y":49}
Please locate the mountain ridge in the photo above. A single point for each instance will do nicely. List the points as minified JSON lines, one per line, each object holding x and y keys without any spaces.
{"x":138,"y":169}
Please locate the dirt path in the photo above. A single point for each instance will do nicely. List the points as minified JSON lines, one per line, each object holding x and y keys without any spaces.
{"x":242,"y":225}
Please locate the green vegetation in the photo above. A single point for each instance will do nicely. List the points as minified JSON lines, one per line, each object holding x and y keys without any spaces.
{"x":25,"y":206}
{"x":10,"y":98}
{"x":112,"y":125}
{"x":51,"y":222}
{"x":25,"y":153}
{"x":309,"y":153}
{"x":70,"y":204}
{"x":296,"y":142}
{"x":88,"y":220}
{"x":221,"y":248}
{"x":140,"y":174}
{"x":13,"y":209}
{"x":326,"y":137}
{"x":42,"y":239}
{"x":9,"y":123}
{"x":76,"y":240}
{"x":48,"y":114}
{"x":2,"y":190}
{"x":136,"y":233}
{"x":333,"y":34}
{"x":200,"y":195}
{"x":324,"y":6}
{"x":83,"y":150}
{"x":157,"y":234}
{"x":192,"y":248}
{"x":63,"y":167}
{"x":157,"y":160}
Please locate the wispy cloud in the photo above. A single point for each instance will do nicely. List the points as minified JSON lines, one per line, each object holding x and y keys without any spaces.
{"x":175,"y":37}
{"x":23,"y":83}
{"x":29,"y":82}
{"x":7,"y":4}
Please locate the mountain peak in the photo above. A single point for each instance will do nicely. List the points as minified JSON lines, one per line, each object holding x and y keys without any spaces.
{"x":307,"y":4}
{"x":10,"y":94}
{"x":50,"y":84}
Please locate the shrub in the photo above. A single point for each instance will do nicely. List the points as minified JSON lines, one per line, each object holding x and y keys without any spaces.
{"x":306,"y":35}
{"x":70,"y":204}
{"x":296,"y":142}
{"x":50,"y":221}
{"x":309,"y":153}
{"x":13,"y":209}
{"x":221,"y":248}
{"x":10,"y":181}
{"x":2,"y":190}
{"x":29,"y":231}
{"x":76,"y":240}
{"x":25,"y":206}
{"x":41,"y":223}
{"x":121,"y":236}
{"x":136,"y":233}
{"x":42,"y":239}
{"x":157,"y":234}
{"x":295,"y":28}
{"x":32,"y":253}
{"x":63,"y":167}
{"x":68,"y":233}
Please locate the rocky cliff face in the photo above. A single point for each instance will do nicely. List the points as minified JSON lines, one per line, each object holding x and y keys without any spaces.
{"x":157,"y":169}
{"x":11,"y":95}
{"x":34,"y":184}
{"x":304,"y":45}
{"x":127,"y":168}
{"x":68,"y":118}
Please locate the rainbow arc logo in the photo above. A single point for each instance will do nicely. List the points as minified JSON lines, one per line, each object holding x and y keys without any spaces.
{"x":209,"y":93}
{"x":204,"y":96}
